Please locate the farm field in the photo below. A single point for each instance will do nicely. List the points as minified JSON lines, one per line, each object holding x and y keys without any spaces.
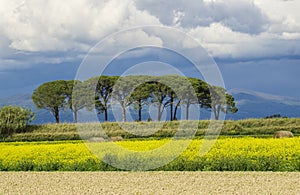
{"x":150,"y":183}
{"x":227,"y":154}
{"x":245,"y":159}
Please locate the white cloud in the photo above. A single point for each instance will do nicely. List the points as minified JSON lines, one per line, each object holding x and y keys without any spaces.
{"x":219,"y":40}
{"x":226,"y":28}
{"x":234,"y":28}
{"x":123,"y":41}
{"x":222,"y":42}
{"x":35,"y":25}
{"x":239,"y":15}
{"x":290,"y":36}
{"x":72,"y":27}
{"x":284,"y":15}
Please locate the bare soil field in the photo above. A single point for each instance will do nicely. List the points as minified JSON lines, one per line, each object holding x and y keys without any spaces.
{"x":149,"y":183}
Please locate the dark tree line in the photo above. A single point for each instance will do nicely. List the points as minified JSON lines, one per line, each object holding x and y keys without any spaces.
{"x":137,"y":91}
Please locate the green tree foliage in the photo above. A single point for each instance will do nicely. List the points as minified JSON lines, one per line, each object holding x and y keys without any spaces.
{"x":122,"y":92}
{"x":14,"y":119}
{"x":188,"y":93}
{"x":52,"y":96}
{"x":173,"y":86}
{"x":141,"y":94}
{"x":201,"y":89}
{"x":102,"y":87}
{"x":183,"y":92}
{"x":220,"y":101}
{"x":230,"y":104}
{"x":160,"y":94}
{"x":102,"y":92}
{"x":78,"y":97}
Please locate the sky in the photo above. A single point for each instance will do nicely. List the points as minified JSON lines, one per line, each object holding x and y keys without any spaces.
{"x":255,"y":44}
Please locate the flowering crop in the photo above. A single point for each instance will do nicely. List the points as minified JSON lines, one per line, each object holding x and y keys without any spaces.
{"x":227,"y":154}
{"x":44,"y":156}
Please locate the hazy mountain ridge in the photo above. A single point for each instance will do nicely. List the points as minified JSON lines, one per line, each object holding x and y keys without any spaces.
{"x":253,"y":104}
{"x":265,"y":96}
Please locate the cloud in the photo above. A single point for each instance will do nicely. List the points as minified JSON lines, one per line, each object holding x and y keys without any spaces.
{"x":255,"y":42}
{"x":290,"y":36}
{"x":37,"y":26}
{"x":234,"y":29}
{"x":284,"y":15}
{"x":67,"y":28}
{"x":242,"y":16}
{"x":223,"y":42}
{"x":31,"y":29}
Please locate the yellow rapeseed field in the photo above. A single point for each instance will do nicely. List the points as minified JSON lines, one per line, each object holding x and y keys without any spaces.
{"x":227,"y":154}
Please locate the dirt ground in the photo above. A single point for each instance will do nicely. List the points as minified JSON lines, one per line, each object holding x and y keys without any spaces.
{"x":149,"y":183}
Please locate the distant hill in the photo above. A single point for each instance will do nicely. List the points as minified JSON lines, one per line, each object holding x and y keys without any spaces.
{"x":254,"y":104}
{"x":251,"y":104}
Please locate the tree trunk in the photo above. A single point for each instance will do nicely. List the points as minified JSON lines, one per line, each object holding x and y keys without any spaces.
{"x":158,"y":114}
{"x":75,"y":116}
{"x":56,"y":114}
{"x":175,"y":111}
{"x":187,"y":111}
{"x":105,"y":110}
{"x":124,"y":113}
{"x":140,"y":109}
{"x":171,"y":107}
{"x":216,"y":112}
{"x":105,"y":114}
